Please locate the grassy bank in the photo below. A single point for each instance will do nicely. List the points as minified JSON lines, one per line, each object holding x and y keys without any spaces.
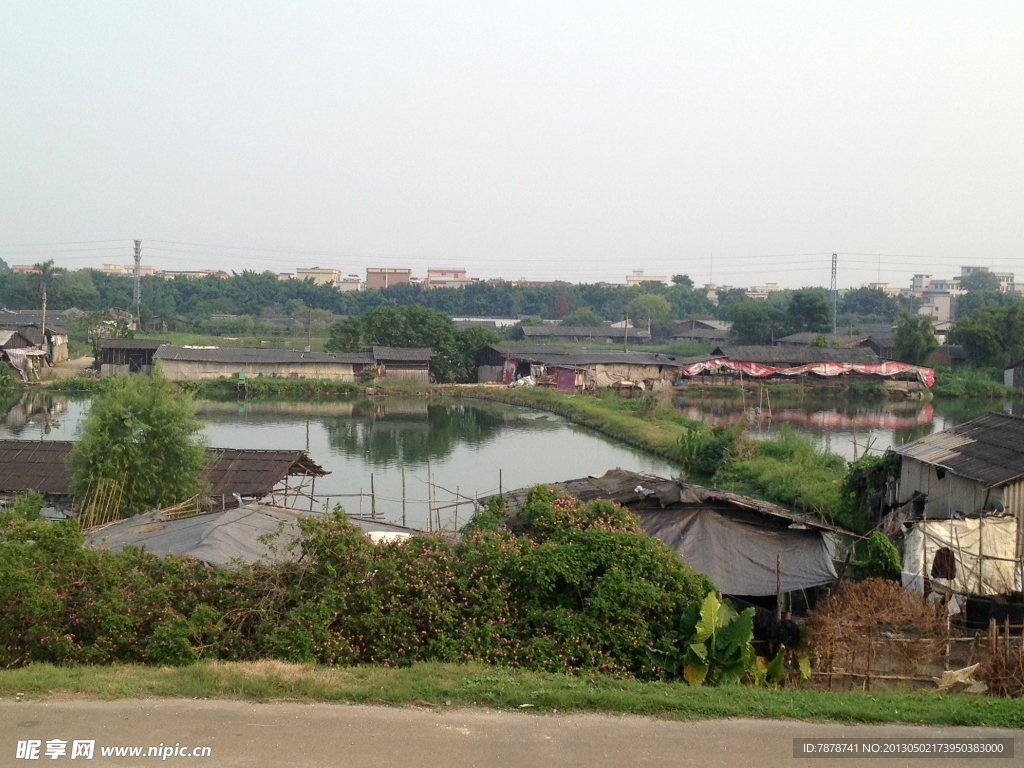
{"x":970,"y":382}
{"x":788,"y":470}
{"x":479,"y":684}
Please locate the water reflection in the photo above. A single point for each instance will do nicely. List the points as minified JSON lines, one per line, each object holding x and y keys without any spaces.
{"x":34,"y":414}
{"x":847,"y":427}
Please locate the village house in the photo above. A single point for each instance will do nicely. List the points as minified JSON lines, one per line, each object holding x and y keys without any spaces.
{"x":402,"y":363}
{"x":712,"y":332}
{"x":959,"y":505}
{"x":128,"y":355}
{"x":198,"y":363}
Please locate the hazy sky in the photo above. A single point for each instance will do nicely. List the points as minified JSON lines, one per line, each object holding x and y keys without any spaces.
{"x":546,"y":140}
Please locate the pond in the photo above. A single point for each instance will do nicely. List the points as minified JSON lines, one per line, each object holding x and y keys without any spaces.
{"x":471,"y":447}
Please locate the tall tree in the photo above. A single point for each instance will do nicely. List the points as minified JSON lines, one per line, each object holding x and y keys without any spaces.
{"x":980,"y":281}
{"x":914,"y":340}
{"x":809,"y":310}
{"x":867,"y":302}
{"x":561,"y":302}
{"x":46,"y":276}
{"x":756,"y":322}
{"x":683,"y":280}
{"x":651,"y":310}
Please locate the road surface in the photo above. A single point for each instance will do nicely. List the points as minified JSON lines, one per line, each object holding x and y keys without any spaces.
{"x":276,"y":734}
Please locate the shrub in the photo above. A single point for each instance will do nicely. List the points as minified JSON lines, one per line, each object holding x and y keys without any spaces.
{"x":581,"y":588}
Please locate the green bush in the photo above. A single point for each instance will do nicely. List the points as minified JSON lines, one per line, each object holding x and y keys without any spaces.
{"x":580,"y":589}
{"x":883,"y":560}
{"x":969,"y":382}
{"x":26,"y":506}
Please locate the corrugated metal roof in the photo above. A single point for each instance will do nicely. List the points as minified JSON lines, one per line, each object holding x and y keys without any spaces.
{"x":410,"y":354}
{"x":41,"y":466}
{"x":796,"y":355}
{"x":603,"y":358}
{"x":241,"y":355}
{"x":988,"y":450}
{"x":516,"y":350}
{"x":132,"y":343}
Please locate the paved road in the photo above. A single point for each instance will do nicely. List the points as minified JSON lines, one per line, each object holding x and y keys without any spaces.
{"x":289,"y":734}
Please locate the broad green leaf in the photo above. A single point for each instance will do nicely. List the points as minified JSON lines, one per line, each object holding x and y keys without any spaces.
{"x":805,"y":666}
{"x":699,"y":651}
{"x":725,"y":613}
{"x":708,"y":614}
{"x":694,"y":674}
{"x":777,"y":667}
{"x":736,"y":634}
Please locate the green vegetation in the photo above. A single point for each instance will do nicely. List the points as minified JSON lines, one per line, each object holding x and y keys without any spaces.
{"x":582,"y":590}
{"x":140,"y":435}
{"x":269,"y":388}
{"x":969,"y":382}
{"x":914,"y":340}
{"x":478,"y":684}
{"x":992,"y":336}
{"x":414,"y":326}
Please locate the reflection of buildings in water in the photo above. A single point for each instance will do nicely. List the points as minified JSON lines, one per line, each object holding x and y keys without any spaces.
{"x":37,"y":408}
{"x":821,"y":420}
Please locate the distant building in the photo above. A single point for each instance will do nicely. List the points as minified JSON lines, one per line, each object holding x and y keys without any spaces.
{"x":761,"y":292}
{"x":285,"y":276}
{"x":446,"y":278}
{"x":349,"y":283}
{"x":885,"y":288}
{"x":711,"y":331}
{"x":126,"y":269}
{"x":128,"y":355}
{"x":639,"y":277}
{"x":23,"y":269}
{"x":586,"y":333}
{"x":385,"y":277}
{"x":319,"y":275}
{"x":169,"y":274}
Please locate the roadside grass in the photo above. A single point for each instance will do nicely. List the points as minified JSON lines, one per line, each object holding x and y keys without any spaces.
{"x":481,"y":685}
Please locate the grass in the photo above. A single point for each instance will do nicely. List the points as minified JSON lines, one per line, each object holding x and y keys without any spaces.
{"x":969,"y":382}
{"x":481,"y":685}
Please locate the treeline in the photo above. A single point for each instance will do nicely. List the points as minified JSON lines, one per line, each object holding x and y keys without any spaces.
{"x":261,"y":293}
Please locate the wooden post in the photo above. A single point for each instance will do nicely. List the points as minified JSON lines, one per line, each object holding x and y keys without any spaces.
{"x":312,"y":494}
{"x":500,"y":492}
{"x":778,"y":587}
{"x":430,"y":499}
{"x":360,"y":502}
{"x":373,"y":499}
{"x":457,"y":497}
{"x":403,"y":496}
{"x":871,"y":656}
{"x":981,"y":552}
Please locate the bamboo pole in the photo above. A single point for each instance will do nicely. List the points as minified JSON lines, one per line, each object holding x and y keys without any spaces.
{"x":403,"y":496}
{"x":430,"y":498}
{"x":778,"y":587}
{"x":373,"y":499}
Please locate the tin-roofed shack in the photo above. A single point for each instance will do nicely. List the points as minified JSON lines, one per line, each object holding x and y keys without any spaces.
{"x":195,"y":364}
{"x":602,"y":333}
{"x":971,"y":478}
{"x":233,"y":473}
{"x":403,"y":363}
{"x":571,"y":371}
{"x":734,"y":539}
{"x":128,"y":355}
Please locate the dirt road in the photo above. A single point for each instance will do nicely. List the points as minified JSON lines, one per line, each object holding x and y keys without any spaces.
{"x":290,"y":734}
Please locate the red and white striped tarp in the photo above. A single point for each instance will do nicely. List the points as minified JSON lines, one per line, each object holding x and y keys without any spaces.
{"x":757,"y":370}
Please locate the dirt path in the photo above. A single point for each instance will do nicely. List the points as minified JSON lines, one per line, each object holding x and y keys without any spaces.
{"x":289,"y":734}
{"x":68,"y":369}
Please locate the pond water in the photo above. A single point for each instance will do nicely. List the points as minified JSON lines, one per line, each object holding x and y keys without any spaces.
{"x":843,"y":426}
{"x":471,"y":446}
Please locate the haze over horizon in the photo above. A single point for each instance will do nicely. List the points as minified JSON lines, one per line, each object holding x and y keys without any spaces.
{"x":575,"y":141}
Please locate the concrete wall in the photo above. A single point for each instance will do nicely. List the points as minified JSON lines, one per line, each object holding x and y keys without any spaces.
{"x":180,"y":370}
{"x":950,"y":494}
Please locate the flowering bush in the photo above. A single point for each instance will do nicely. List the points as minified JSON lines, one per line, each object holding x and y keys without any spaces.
{"x":578,"y":588}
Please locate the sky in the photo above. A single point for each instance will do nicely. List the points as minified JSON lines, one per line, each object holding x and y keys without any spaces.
{"x":736,"y":142}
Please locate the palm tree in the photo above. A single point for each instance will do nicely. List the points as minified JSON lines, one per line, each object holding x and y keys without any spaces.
{"x":46,"y":275}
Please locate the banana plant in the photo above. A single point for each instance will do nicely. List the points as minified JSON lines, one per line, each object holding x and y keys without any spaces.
{"x":715,"y":642}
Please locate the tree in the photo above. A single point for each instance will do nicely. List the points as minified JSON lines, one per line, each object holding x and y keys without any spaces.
{"x":561,"y":302}
{"x":809,"y":310}
{"x":914,"y":340}
{"x":980,"y":281}
{"x":683,"y":280}
{"x":992,"y":336}
{"x":45,"y":276}
{"x":583,"y":317}
{"x":975,"y":300}
{"x":726,"y":299}
{"x":870,"y":302}
{"x":138,"y":432}
{"x":756,"y":322}
{"x":651,"y":309}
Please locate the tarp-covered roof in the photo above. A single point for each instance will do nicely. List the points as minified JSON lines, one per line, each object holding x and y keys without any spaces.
{"x":403,"y":354}
{"x":988,"y":450}
{"x":734,"y":539}
{"x":40,"y":466}
{"x":797,"y":355}
{"x":132,"y":343}
{"x":218,"y":538}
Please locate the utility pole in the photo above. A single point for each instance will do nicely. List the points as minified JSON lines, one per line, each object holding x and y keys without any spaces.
{"x":309,"y":328}
{"x":835,"y":298}
{"x":138,"y":282}
{"x":625,"y":338}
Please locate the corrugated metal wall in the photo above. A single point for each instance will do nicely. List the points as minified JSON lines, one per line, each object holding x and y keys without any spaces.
{"x":947,"y":495}
{"x":1013,"y":502}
